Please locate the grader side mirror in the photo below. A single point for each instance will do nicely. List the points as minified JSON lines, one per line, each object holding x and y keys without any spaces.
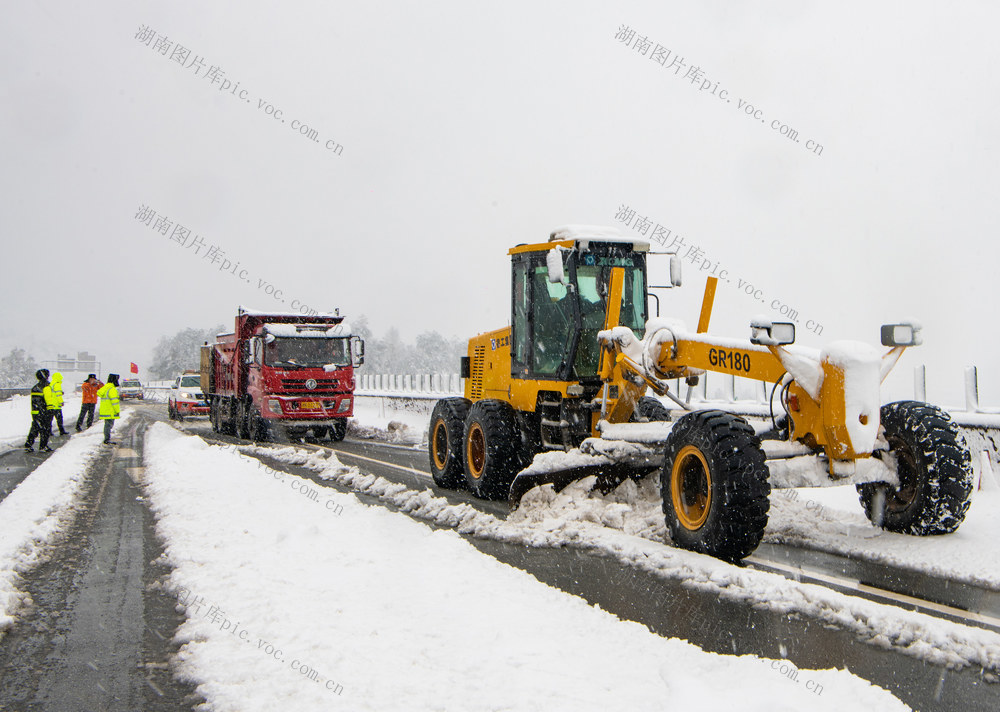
{"x":675,"y":270}
{"x":901,"y":335}
{"x":553,"y":260}
{"x":772,"y":333}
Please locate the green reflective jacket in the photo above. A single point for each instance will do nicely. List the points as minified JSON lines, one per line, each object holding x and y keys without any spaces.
{"x":109,"y":408}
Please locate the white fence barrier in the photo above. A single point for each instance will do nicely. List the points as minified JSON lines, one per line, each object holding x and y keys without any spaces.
{"x":740,"y":395}
{"x":420,"y":386}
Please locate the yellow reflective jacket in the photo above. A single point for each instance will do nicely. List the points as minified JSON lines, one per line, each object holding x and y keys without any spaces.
{"x":55,"y":384}
{"x":109,"y":408}
{"x":50,"y":398}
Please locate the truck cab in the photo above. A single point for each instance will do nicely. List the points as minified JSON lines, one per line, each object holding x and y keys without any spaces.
{"x":283,"y":372}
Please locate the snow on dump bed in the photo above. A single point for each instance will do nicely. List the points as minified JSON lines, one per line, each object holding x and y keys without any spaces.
{"x":628,"y":525}
{"x":308,"y":331}
{"x":399,"y":616}
{"x":35,"y":513}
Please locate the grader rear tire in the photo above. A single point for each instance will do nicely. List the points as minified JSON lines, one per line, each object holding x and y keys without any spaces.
{"x":714,"y":485}
{"x":935,"y":475}
{"x":491,"y":449}
{"x":446,"y":436}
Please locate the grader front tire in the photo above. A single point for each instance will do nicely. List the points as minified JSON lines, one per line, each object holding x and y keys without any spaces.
{"x":714,"y":485}
{"x":935,"y":475}
{"x":491,"y":449}
{"x":445,"y":447}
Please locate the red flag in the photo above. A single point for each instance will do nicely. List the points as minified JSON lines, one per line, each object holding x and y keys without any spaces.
{"x":134,"y":369}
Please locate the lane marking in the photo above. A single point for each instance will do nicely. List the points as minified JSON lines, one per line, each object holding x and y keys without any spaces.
{"x":396,"y":446}
{"x":338,"y":453}
{"x":855,"y":585}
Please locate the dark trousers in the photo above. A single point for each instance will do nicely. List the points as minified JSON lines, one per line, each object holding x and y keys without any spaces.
{"x":41,"y":424}
{"x":87,"y":409}
{"x":56,"y":415}
{"x":108,"y":424}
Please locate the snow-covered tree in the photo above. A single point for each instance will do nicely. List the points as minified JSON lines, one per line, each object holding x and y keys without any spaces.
{"x":432,"y":352}
{"x":17,"y":369}
{"x":181,"y":351}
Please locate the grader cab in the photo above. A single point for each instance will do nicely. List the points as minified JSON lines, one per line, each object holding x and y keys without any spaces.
{"x":571,"y":372}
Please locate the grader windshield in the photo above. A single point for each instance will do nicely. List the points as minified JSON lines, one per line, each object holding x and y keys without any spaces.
{"x":555,"y":324}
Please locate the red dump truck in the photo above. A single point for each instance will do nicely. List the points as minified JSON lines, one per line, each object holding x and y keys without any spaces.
{"x":282,"y":375}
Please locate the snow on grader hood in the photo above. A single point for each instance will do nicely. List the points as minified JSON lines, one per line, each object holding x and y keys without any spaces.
{"x":561,"y":394}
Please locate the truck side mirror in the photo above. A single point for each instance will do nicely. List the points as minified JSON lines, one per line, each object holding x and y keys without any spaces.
{"x":357,"y":351}
{"x":675,"y":270}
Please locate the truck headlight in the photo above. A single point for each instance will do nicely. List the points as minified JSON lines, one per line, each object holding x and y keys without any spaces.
{"x":274,"y":406}
{"x":345,"y":405}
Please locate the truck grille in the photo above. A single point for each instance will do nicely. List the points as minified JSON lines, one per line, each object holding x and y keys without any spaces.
{"x":322,"y":385}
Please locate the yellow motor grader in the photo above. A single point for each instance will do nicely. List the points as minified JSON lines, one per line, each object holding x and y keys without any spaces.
{"x":571,"y":372}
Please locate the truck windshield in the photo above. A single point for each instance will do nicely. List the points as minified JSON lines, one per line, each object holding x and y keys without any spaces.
{"x":290,"y":352}
{"x":190,"y":381}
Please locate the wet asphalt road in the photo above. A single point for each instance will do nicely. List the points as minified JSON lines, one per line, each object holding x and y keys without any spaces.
{"x":99,"y":635}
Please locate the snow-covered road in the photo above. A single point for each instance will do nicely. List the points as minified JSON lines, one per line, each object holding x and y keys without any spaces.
{"x":291,"y":605}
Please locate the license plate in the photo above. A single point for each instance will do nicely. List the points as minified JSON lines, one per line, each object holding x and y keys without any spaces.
{"x":310,"y":405}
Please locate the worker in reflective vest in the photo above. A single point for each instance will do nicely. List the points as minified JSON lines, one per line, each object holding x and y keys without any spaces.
{"x":55,"y":407}
{"x":40,"y":423}
{"x":109,"y":410}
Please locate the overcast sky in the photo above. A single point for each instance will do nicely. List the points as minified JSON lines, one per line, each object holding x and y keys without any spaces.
{"x":468,"y":127}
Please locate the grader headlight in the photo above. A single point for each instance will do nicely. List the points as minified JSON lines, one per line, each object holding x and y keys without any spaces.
{"x":905,"y":334}
{"x":764,"y":332}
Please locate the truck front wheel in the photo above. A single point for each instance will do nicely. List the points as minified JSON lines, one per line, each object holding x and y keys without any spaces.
{"x":214,"y":416}
{"x":243,"y":420}
{"x":338,"y":431}
{"x":257,"y":426}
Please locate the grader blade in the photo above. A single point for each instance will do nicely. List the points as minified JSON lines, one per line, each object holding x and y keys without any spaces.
{"x":610,"y":461}
{"x":608,"y":476}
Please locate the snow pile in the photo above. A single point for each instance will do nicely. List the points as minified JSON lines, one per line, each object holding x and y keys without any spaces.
{"x":15,"y":419}
{"x":38,"y":510}
{"x":290,"y":608}
{"x":831,"y":519}
{"x":589,"y":521}
{"x":388,"y":420}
